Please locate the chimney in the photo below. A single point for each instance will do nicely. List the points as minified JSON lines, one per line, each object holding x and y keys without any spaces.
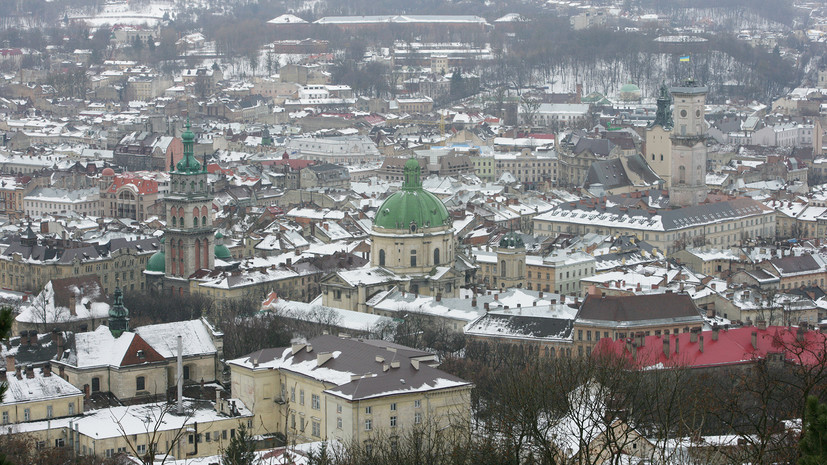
{"x":487,"y":306}
{"x":73,"y":303}
{"x":761,"y":324}
{"x":33,"y":340}
{"x":86,"y":390}
{"x":715,"y":332}
{"x":496,"y":297}
{"x":677,"y":344}
{"x":47,"y":370}
{"x":296,"y":347}
{"x":323,"y":357}
{"x":29,"y":371}
{"x":541,"y":294}
{"x":693,"y":335}
{"x":395,"y":364}
{"x":474,"y":301}
{"x":701,"y":343}
{"x":439,"y":297}
{"x":17,"y":372}
{"x":415,"y":364}
{"x":55,"y":336}
{"x":61,"y":371}
{"x":666,"y":348}
{"x":2,"y":374}
{"x":799,"y":333}
{"x":24,"y":338}
{"x":755,"y":340}
{"x":9,"y":363}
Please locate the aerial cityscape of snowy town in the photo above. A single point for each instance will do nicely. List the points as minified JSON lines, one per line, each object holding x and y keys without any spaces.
{"x":423,"y":232}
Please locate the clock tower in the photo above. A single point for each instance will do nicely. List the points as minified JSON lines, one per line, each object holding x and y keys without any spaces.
{"x":689,"y":152}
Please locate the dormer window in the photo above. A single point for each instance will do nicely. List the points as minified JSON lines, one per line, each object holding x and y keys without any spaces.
{"x":141,"y":355}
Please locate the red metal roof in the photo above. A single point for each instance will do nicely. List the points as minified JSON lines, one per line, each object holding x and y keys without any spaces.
{"x":143,"y":186}
{"x":733,"y":347}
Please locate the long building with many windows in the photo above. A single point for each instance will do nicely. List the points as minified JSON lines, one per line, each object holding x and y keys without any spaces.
{"x":721,"y":224}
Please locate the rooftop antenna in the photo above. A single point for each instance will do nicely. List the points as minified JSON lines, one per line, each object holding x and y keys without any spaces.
{"x":180,"y":408}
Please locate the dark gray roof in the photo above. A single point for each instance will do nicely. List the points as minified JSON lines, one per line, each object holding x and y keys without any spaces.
{"x":638,"y":307}
{"x":526,"y":326}
{"x":359,"y":358}
{"x":609,"y":173}
{"x":88,"y":252}
{"x":796,"y":264}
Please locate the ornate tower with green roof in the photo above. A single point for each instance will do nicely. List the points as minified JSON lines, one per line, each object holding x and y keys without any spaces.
{"x":189,"y":235}
{"x":118,"y":314}
{"x":510,"y":269}
{"x":413,"y":235}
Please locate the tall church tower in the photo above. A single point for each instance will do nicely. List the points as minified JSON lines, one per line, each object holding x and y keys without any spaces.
{"x":189,"y":232}
{"x":658,"y":139}
{"x":688,"y":178}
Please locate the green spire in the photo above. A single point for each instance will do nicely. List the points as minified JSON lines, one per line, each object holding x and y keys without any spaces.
{"x":189,"y":164}
{"x":663,"y":117}
{"x":118,"y":314}
{"x":412,"y":172}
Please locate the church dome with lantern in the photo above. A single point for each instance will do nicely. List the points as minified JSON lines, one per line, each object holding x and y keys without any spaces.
{"x":412,"y":231}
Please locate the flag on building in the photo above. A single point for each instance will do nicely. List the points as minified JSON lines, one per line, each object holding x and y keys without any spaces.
{"x":684,"y":58}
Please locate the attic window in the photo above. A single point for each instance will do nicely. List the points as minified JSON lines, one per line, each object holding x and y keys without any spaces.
{"x":141,"y":355}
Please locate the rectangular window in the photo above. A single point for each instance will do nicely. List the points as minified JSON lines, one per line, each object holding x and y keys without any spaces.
{"x":315,"y":402}
{"x":140,"y":383}
{"x":301,"y":397}
{"x":393,"y":407}
{"x":339,"y":422}
{"x":293,"y":421}
{"x":338,"y":408}
{"x":208,"y":437}
{"x":317,"y":430}
{"x":293,"y":394}
{"x":417,"y":403}
{"x":223,"y":434}
{"x":5,"y":418}
{"x":368,"y":410}
{"x":393,"y":422}
{"x":71,"y":408}
{"x":49,"y":411}
{"x":141,"y":449}
{"x":417,"y":418}
{"x":60,"y":442}
{"x":368,"y":424}
{"x":301,"y":424}
{"x":27,"y":415}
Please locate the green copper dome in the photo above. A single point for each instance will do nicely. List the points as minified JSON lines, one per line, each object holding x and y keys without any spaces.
{"x":222,"y":252}
{"x":157,"y":262}
{"x":629,"y":87}
{"x":412,"y":207}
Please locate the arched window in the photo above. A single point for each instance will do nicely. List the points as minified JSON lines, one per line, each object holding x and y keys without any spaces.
{"x":174,"y":221}
{"x":502,"y":269}
{"x":206,"y":251}
{"x":436,"y":256}
{"x":194,"y":221}
{"x":382,"y":257}
{"x":140,"y":383}
{"x":203,"y":221}
{"x":204,"y":211}
{"x":552,"y":352}
{"x":413,"y":257}
{"x":197,"y":252}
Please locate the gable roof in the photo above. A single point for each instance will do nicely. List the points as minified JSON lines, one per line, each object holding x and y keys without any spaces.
{"x":195,"y":338}
{"x":99,"y":348}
